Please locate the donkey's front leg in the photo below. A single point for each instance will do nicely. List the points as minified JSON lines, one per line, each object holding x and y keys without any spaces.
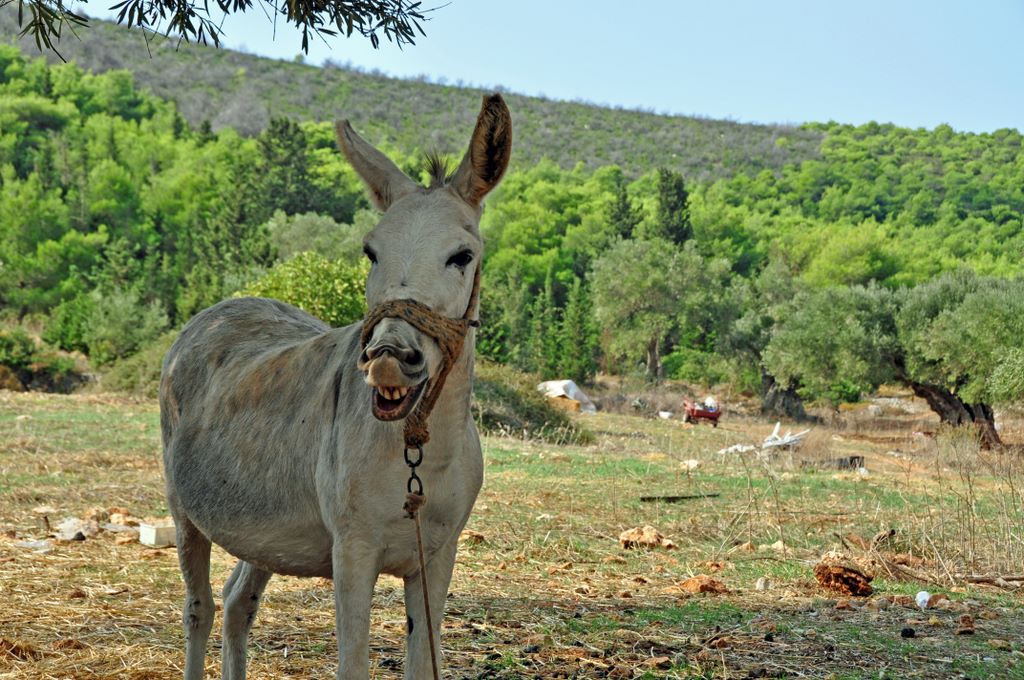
{"x":355,"y":573}
{"x":439,"y":575}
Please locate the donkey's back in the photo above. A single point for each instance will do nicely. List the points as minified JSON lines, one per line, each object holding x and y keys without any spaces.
{"x":246,"y":400}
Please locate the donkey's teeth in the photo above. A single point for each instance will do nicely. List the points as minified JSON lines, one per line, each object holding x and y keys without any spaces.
{"x":402,"y":391}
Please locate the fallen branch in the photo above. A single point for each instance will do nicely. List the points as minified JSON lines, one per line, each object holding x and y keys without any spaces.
{"x":983,"y":578}
{"x":677,"y":499}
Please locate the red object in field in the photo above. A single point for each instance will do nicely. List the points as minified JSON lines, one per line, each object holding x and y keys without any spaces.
{"x":695,"y":412}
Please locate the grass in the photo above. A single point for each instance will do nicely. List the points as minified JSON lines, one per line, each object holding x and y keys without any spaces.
{"x":548,"y":593}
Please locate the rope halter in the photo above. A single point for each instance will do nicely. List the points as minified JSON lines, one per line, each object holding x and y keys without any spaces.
{"x":448,"y":333}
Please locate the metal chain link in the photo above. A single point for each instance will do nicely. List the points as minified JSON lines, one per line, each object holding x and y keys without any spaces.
{"x":414,"y":479}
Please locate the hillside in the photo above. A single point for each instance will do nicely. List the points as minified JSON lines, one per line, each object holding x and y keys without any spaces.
{"x":242,"y":91}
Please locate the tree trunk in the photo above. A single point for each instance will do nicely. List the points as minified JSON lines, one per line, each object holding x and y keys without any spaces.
{"x":654,"y":371}
{"x":779,"y":402}
{"x":953,"y":411}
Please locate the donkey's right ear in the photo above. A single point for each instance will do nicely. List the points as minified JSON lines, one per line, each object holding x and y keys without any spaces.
{"x":384,"y":180}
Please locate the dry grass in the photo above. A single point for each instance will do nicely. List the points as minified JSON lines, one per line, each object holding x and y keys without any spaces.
{"x":549,"y":593}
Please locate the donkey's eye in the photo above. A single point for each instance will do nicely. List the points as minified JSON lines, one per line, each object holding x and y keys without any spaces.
{"x":370,"y":255}
{"x":460,"y":259}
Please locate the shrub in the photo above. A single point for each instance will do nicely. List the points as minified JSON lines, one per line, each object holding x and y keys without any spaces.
{"x":293,"y":234}
{"x":140,"y":373}
{"x":69,"y":322}
{"x":506,"y":402}
{"x":694,"y":366}
{"x":332,"y":291}
{"x":17,"y":349}
{"x":26,"y":365}
{"x":120,"y":324}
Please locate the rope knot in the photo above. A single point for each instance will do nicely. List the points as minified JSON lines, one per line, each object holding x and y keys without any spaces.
{"x":413,"y":503}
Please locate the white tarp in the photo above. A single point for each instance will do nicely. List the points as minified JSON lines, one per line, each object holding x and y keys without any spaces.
{"x":567,"y":388}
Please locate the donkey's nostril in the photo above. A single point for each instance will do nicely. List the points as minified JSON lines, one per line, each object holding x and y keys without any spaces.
{"x":414,"y":357}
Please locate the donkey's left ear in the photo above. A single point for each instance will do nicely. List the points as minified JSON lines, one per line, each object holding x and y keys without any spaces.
{"x":489,"y":150}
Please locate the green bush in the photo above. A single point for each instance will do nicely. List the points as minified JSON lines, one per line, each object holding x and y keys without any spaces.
{"x":24,"y":364}
{"x":506,"y":402}
{"x":69,"y":322}
{"x":332,"y":291}
{"x":120,"y":324}
{"x":139,"y":374}
{"x":694,"y":366}
{"x":17,"y":349}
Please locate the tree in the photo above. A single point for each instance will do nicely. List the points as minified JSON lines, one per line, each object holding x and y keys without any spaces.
{"x":952,"y":340}
{"x":637,"y":287}
{"x":752,"y":309}
{"x":622,"y":216}
{"x":578,"y":341}
{"x":835,"y":343}
{"x":282,"y":179}
{"x":397,"y":20}
{"x":672,"y":217}
{"x":959,"y":332}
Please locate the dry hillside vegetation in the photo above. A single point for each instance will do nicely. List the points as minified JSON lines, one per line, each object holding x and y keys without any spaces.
{"x":544,"y":588}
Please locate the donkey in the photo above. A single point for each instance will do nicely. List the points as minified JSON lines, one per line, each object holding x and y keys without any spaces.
{"x":283,"y":438}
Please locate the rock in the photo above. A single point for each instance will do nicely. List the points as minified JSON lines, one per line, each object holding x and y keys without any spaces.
{"x":703,"y":583}
{"x":966,"y":625}
{"x":470,"y":537}
{"x":126,"y":537}
{"x":762,"y":584}
{"x":98,"y":514}
{"x":644,"y":537}
{"x":838,"y":573}
{"x":44,"y":546}
{"x":74,"y":529}
{"x":996,"y":643}
{"x":124,"y":519}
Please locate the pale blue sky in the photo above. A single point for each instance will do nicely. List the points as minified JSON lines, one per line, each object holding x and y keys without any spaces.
{"x":911,"y":62}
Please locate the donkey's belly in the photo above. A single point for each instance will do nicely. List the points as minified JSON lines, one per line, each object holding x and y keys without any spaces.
{"x":270,"y":519}
{"x":294,"y":550}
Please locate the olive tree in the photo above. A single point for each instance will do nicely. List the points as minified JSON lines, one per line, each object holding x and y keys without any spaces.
{"x":751,"y":310}
{"x":954,"y":341}
{"x":640,"y":290}
{"x":397,"y":20}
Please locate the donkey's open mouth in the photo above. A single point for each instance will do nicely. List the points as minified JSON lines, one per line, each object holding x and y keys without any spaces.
{"x":392,"y":403}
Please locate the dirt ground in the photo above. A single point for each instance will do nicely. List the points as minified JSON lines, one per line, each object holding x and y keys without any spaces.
{"x":543,"y":587}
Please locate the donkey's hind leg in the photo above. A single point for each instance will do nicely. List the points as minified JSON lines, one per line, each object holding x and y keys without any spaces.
{"x":197,"y":617}
{"x":242,"y":594}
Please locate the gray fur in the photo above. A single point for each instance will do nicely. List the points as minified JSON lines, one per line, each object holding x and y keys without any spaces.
{"x":271,"y":449}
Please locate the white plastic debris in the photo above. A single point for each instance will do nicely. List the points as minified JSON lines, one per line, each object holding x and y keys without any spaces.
{"x":789,"y":439}
{"x":157,"y":535}
{"x":664,"y":415}
{"x":738,"y":448}
{"x":922,"y":599}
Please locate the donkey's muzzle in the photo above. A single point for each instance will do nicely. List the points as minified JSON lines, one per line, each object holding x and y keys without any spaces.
{"x":410,"y":358}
